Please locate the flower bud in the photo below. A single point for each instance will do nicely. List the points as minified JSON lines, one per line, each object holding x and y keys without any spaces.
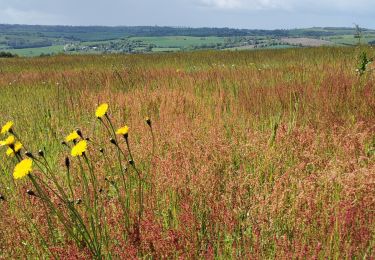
{"x":79,"y":132}
{"x":67,"y":162}
{"x":41,"y":153}
{"x":113,"y":141}
{"x":29,"y":154}
{"x":30,"y":192}
{"x":148,"y":121}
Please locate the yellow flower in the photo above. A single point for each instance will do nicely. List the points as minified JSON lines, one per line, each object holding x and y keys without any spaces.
{"x":79,"y":148}
{"x":101,"y":110}
{"x":17,"y":147}
{"x":5,"y":129}
{"x":72,"y":136}
{"x":23,"y":168}
{"x":123,"y":130}
{"x":9,"y":141}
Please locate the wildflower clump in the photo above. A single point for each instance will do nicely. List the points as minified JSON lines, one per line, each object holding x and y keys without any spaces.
{"x":84,"y":225}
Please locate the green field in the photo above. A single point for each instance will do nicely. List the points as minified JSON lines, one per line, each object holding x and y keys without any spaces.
{"x":30,"y":52}
{"x":179,"y":41}
{"x":165,"y":49}
{"x":350,"y":39}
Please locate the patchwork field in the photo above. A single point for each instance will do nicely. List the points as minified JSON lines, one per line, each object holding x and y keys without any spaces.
{"x":306,"y":42}
{"x":246,"y":154}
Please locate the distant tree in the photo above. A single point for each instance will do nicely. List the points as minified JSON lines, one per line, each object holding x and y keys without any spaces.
{"x":4,"y":54}
{"x":358,"y":33}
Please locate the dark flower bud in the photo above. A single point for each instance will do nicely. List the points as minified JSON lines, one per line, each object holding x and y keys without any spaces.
{"x":67,"y":162}
{"x":2,"y":197}
{"x":78,"y":201}
{"x":113,"y":141}
{"x":148,"y":121}
{"x":79,"y":132}
{"x":131,"y":162}
{"x":41,"y":153}
{"x":30,"y":192}
{"x":29,"y":154}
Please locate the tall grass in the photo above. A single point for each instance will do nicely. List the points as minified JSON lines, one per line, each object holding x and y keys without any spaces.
{"x":259,"y":154}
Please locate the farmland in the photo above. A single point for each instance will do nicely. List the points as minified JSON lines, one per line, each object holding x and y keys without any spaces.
{"x":27,"y":40}
{"x":261,"y":154}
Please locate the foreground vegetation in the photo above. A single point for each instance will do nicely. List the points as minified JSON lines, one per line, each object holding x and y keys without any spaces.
{"x":261,"y":154}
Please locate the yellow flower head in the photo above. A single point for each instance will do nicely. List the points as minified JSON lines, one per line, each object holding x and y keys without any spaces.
{"x":23,"y":168}
{"x":79,"y":148}
{"x":17,"y":147}
{"x":9,"y":141}
{"x":6,"y":128}
{"x":101,"y":110}
{"x":72,"y":136}
{"x":123,"y":130}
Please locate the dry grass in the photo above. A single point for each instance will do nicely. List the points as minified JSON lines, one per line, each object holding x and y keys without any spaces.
{"x":261,"y":154}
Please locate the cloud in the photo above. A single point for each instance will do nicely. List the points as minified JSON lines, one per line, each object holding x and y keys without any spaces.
{"x":223,"y":4}
{"x":292,"y":5}
{"x":16,"y":16}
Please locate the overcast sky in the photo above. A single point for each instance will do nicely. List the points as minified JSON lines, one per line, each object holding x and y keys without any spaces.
{"x":260,"y":14}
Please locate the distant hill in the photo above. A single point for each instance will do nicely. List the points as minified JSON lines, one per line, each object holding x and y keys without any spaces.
{"x":90,"y":33}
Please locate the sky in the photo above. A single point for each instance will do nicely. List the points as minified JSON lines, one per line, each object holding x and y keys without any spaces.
{"x":249,"y":14}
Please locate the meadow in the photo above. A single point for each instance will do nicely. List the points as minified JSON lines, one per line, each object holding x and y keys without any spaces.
{"x":265,"y":154}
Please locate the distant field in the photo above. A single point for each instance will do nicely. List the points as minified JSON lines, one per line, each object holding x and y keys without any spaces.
{"x":30,"y":52}
{"x":306,"y":42}
{"x":350,"y":39}
{"x":179,"y":41}
{"x":165,"y":49}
